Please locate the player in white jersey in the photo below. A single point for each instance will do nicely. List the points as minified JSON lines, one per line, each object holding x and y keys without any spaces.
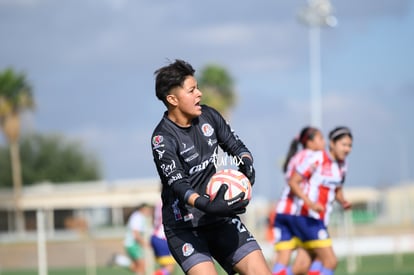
{"x":311,"y":140}
{"x":159,"y":244}
{"x":135,"y":241}
{"x":325,"y":172}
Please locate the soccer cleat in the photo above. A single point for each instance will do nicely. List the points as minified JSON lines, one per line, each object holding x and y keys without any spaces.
{"x":161,"y":272}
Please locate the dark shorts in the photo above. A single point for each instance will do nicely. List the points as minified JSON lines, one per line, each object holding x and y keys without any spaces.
{"x":227,"y":242}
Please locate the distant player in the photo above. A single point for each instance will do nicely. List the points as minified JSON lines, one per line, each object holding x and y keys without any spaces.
{"x":185,"y":145}
{"x":159,"y":245}
{"x":310,"y":140}
{"x":135,"y":241}
{"x":325,"y":171}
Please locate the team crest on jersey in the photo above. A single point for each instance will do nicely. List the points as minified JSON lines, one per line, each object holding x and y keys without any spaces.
{"x":157,"y":140}
{"x":187,"y":249}
{"x":207,"y":129}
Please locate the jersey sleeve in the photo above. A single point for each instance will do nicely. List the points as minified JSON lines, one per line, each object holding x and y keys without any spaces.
{"x":169,"y":165}
{"x":227,"y":138}
{"x":137,"y":223}
{"x":308,"y":164}
{"x":296,"y":159}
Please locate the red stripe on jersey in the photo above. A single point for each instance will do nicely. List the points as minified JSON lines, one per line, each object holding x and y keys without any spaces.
{"x":323,"y":199}
{"x":305,"y":210}
{"x":289,"y":203}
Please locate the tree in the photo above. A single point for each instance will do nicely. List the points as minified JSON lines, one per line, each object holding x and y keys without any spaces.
{"x":218,"y":88}
{"x":15,"y":97}
{"x":51,"y":158}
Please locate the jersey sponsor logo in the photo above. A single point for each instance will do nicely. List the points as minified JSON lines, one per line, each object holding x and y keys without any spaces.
{"x":187,"y":249}
{"x":186,"y":149}
{"x":225,"y":160}
{"x":211,"y":142}
{"x":174,"y":178}
{"x":204,"y":164}
{"x":167,"y":169}
{"x":200,"y":167}
{"x":190,"y":158}
{"x":160,"y":153}
{"x":207,"y":129}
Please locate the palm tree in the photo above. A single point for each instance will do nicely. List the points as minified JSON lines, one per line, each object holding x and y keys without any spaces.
{"x":15,"y":98}
{"x":217,"y":87}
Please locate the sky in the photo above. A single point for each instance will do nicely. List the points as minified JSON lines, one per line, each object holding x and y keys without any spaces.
{"x":91,"y":64}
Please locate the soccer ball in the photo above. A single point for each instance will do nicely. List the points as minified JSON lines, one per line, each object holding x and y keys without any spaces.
{"x":235,"y":180}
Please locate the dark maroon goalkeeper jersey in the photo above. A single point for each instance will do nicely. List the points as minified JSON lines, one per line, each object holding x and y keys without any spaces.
{"x":186,"y":158}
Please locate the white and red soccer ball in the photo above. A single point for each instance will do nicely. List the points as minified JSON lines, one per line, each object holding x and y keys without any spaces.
{"x":235,"y":180}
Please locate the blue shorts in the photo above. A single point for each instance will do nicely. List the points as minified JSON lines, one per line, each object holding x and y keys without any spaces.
{"x":162,"y":252}
{"x":311,"y":232}
{"x":285,"y":232}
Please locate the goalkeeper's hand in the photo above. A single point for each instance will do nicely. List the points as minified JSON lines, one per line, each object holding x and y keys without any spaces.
{"x":220,"y":206}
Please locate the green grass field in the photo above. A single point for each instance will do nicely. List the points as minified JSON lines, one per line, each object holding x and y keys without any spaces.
{"x":369,"y":265}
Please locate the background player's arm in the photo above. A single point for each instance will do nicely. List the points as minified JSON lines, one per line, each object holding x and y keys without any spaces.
{"x":294,"y":184}
{"x":139,"y":238}
{"x":339,"y":197}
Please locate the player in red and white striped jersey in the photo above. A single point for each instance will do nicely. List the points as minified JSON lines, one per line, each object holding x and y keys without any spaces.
{"x":325,"y":172}
{"x":324,"y":175}
{"x":311,"y":140}
{"x":287,"y":203}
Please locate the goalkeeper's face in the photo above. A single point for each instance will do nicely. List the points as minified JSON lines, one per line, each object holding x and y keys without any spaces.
{"x":186,"y":99}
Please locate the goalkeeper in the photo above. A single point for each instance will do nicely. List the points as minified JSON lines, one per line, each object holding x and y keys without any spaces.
{"x":184,"y":145}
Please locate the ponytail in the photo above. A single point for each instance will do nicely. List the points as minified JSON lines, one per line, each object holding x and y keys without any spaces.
{"x":293,"y":148}
{"x":307,"y":133}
